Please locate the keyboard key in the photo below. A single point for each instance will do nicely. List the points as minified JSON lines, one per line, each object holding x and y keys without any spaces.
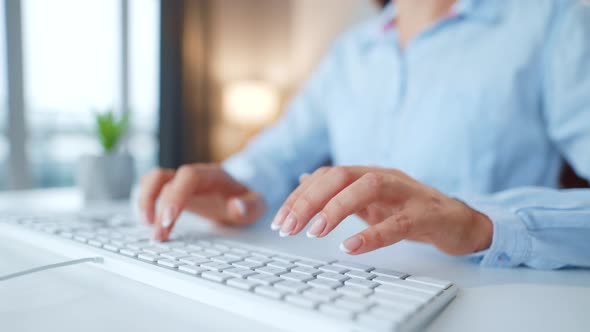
{"x":308,"y":263}
{"x":215,"y":276}
{"x":389,"y":273}
{"x":173,"y":255}
{"x":283,"y":259}
{"x":306,"y":270}
{"x":364,"y":283}
{"x":265,"y":279}
{"x":118,"y":243}
{"x":355,"y":291}
{"x":247,"y":265}
{"x":244,"y":284}
{"x":202,"y":254}
{"x":333,"y":276}
{"x":258,"y":259}
{"x":111,"y":247}
{"x":336,"y":311}
{"x":191,"y":260}
{"x":129,"y":252}
{"x":353,"y":266}
{"x":224,"y":259}
{"x":325,"y":283}
{"x":403,"y":292}
{"x":239,"y":272}
{"x":441,"y":284}
{"x":80,"y":238}
{"x":236,"y":255}
{"x":154,"y":250}
{"x":291,"y":286}
{"x":168,"y":263}
{"x":281,"y":265}
{"x":270,"y":292}
{"x":275,"y":271}
{"x":296,"y":276}
{"x":138,"y":245}
{"x":302,"y":301}
{"x":214,"y":266}
{"x":195,"y":270}
{"x":147,"y":257}
{"x":213,"y":251}
{"x":360,"y":274}
{"x":95,"y":243}
{"x":325,"y":295}
{"x":413,"y":286}
{"x":334,"y":269}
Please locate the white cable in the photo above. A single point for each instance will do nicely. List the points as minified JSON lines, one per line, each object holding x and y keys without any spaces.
{"x":52,"y":266}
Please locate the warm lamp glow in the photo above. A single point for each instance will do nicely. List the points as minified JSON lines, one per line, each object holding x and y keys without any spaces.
{"x":250,"y":103}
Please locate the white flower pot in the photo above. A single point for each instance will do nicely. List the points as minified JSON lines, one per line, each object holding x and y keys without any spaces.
{"x":107,"y":177}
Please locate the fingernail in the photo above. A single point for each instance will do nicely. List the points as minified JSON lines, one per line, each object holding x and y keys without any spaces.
{"x":351,"y":244}
{"x":278,"y":220}
{"x":317,"y":227}
{"x":289,"y":225}
{"x":240,"y":206}
{"x":168,"y":217}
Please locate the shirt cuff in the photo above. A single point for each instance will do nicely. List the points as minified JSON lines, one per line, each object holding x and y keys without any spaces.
{"x":511,"y":243}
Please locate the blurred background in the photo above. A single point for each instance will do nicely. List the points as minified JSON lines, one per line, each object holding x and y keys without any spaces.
{"x":197,"y":77}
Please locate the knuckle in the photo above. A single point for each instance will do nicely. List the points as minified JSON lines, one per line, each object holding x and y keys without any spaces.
{"x":373,"y":180}
{"x":185,"y":170}
{"x":341,"y":174}
{"x":321,"y":170}
{"x":404,"y":225}
{"x":304,"y":203}
{"x":378,"y":239}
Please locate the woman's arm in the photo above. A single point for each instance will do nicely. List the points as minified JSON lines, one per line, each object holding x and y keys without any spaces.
{"x":298,"y":143}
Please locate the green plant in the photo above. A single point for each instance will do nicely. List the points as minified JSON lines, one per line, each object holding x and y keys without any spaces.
{"x":111,"y":129}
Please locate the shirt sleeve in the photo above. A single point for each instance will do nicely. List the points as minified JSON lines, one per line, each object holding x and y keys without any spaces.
{"x":298,"y":143}
{"x":548,"y":228}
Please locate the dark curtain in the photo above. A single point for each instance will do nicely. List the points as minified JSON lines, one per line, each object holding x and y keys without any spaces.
{"x":184,"y":107}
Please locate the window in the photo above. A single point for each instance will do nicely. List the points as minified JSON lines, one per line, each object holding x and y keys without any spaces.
{"x":144,"y":43}
{"x":3,"y":103}
{"x":72,"y":57}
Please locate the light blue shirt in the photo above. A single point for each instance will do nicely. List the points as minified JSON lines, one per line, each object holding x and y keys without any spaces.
{"x":483,"y":106}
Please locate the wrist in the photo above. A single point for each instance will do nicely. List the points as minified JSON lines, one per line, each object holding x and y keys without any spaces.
{"x":483,"y":231}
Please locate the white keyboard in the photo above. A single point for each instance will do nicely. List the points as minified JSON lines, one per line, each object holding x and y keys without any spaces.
{"x":282,"y":290}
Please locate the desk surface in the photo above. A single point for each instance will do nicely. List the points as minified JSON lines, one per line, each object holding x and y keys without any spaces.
{"x":80,"y":296}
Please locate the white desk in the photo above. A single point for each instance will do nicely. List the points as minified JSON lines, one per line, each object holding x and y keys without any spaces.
{"x":83,"y":297}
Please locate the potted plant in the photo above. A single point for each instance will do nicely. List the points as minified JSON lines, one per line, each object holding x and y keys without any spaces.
{"x":110,"y":175}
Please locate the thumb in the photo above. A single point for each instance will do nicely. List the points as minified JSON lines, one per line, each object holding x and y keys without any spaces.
{"x":245,"y":209}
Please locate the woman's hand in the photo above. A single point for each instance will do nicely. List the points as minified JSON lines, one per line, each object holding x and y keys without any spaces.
{"x":395,"y":206}
{"x":205,"y":189}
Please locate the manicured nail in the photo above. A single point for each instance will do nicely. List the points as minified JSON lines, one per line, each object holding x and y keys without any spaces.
{"x":317,"y":227}
{"x":351,"y":244}
{"x":240,"y":206}
{"x":289,"y":225}
{"x":278,"y":220}
{"x":168,"y":217}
